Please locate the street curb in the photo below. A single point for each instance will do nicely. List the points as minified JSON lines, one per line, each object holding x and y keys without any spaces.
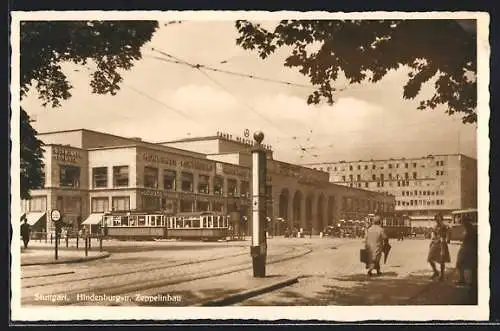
{"x":78,"y":260}
{"x":241,"y":296}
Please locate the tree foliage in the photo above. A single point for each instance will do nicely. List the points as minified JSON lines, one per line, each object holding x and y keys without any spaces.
{"x":32,"y":175}
{"x":366,"y":50}
{"x":46,"y":45}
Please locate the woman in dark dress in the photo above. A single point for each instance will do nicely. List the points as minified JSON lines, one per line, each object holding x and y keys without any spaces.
{"x":438,"y":249}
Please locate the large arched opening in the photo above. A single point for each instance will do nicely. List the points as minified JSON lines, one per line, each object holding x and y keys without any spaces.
{"x":309,"y":212}
{"x":283,"y":212}
{"x":321,"y":221}
{"x":330,"y":210}
{"x":297,"y":209}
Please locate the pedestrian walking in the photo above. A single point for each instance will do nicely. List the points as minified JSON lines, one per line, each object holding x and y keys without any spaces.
{"x":375,"y":243}
{"x":467,"y":254}
{"x":438,"y":248}
{"x":25,"y":231}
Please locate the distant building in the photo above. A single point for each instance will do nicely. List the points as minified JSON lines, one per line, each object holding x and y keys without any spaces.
{"x":88,"y":173}
{"x":422,"y":186}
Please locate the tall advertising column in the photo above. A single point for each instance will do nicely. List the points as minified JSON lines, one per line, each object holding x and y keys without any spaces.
{"x":258,"y":249}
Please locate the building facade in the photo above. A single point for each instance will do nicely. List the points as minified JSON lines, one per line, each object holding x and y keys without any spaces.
{"x":88,"y":172}
{"x":422,"y":186}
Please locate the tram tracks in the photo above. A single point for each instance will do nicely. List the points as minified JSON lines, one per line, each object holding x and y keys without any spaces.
{"x":185,"y":277}
{"x":129,"y":272}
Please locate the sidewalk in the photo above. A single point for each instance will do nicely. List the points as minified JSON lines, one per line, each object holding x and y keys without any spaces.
{"x":34,"y":256}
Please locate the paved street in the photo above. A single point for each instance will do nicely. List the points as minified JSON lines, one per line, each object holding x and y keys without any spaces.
{"x":190,"y":273}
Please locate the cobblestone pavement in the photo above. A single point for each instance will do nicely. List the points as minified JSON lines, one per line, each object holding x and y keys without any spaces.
{"x":336,"y":277}
{"x":182,"y":273}
{"x":124,"y":272}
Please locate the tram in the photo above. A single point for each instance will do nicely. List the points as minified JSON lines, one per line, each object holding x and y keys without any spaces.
{"x":456,"y":228}
{"x":136,"y":225}
{"x":396,"y":226}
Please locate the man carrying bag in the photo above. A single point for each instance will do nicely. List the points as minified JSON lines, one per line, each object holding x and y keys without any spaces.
{"x":376,"y":244}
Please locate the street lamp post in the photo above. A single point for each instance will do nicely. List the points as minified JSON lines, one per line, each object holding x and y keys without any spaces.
{"x":258,"y":249}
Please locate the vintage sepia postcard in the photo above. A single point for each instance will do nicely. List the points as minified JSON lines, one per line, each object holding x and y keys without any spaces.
{"x":186,"y":165}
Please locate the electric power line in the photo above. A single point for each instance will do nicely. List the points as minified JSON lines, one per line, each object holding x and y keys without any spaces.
{"x":213,"y":80}
{"x":177,"y":60}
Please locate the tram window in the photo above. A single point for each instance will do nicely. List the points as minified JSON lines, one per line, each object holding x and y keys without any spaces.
{"x":132,"y":221}
{"x":195,"y":223}
{"x":150,"y":220}
{"x":108,"y":220}
{"x":211,"y":222}
{"x":124,"y":221}
{"x":117,"y":221}
{"x":162,"y":218}
{"x":179,"y":223}
{"x":141,"y":220}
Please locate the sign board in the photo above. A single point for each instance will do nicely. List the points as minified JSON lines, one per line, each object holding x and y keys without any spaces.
{"x":55,"y":215}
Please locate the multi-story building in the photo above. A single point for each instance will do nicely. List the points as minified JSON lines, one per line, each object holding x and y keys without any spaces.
{"x":88,"y":173}
{"x":422,"y":186}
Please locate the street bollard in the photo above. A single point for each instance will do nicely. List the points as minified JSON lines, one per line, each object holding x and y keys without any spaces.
{"x":90,"y":243}
{"x":67,"y":241}
{"x":86,"y":247}
{"x":100,"y":244}
{"x":45,"y":237}
{"x":77,"y":241}
{"x":51,"y":238}
{"x":56,"y":248}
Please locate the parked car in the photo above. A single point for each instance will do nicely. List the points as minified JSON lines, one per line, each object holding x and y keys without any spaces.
{"x":331,"y":231}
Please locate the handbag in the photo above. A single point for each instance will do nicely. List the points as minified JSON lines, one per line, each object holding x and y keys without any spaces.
{"x":363,"y":255}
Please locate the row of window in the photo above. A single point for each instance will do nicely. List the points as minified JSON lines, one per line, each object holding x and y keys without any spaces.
{"x":122,"y":203}
{"x":420,"y":203}
{"x":101,"y":205}
{"x":120,"y":176}
{"x":373,"y":166}
{"x":381,"y":184}
{"x":415,"y":193}
{"x":170,"y":181}
{"x":363,"y":205}
{"x":381,"y":177}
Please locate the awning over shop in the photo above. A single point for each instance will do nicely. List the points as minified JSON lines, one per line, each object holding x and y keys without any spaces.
{"x":94,"y":219}
{"x":34,"y":217}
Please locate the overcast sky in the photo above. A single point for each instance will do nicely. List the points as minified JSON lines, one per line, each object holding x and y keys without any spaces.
{"x":367,"y":121}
